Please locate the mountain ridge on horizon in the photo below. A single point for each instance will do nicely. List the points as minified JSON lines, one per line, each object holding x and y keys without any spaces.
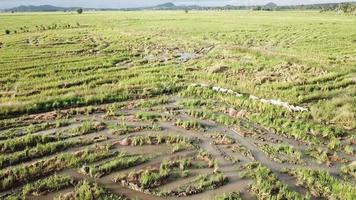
{"x":164,"y":6}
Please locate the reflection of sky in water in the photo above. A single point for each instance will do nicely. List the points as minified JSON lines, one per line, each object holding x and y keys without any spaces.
{"x":138,"y":3}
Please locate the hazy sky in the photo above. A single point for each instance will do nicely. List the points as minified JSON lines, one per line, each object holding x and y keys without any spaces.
{"x":138,"y":3}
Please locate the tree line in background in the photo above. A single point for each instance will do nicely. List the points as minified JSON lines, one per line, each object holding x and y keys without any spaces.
{"x":342,"y":8}
{"x":335,"y":7}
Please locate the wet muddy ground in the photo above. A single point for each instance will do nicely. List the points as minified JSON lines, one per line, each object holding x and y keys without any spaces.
{"x":222,"y":143}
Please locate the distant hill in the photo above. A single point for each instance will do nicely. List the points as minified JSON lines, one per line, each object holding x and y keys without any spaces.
{"x":166,"y":5}
{"x":41,"y":8}
{"x":171,"y":6}
{"x":271,"y":5}
{"x":50,"y":8}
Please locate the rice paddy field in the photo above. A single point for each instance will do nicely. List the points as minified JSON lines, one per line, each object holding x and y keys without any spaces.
{"x":166,"y":105}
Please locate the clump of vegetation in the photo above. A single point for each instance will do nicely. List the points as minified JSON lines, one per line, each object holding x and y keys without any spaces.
{"x":334,"y":144}
{"x":193,"y":103}
{"x":27,"y":141}
{"x":152,"y":102}
{"x":80,"y":11}
{"x":243,"y":150}
{"x":181,"y":147}
{"x":326,"y":156}
{"x":229,"y":196}
{"x":87,"y":127}
{"x":47,"y":185}
{"x":151,"y":116}
{"x":113,"y":110}
{"x":346,"y":8}
{"x":222,"y":139}
{"x":350,"y":169}
{"x":291,"y":81}
{"x":32,"y":128}
{"x":61,"y":123}
{"x":189,"y":124}
{"x":148,"y":179}
{"x":123,"y":128}
{"x":349,"y":149}
{"x":43,"y":150}
{"x":208,"y":158}
{"x":266,"y":184}
{"x":144,"y":179}
{"x":275,"y":118}
{"x":320,"y":154}
{"x":158,"y":139}
{"x":86,"y":190}
{"x":322,"y":184}
{"x":21,"y":174}
{"x":220,"y":118}
{"x":121,"y":161}
{"x":282,"y":153}
{"x":200,"y":184}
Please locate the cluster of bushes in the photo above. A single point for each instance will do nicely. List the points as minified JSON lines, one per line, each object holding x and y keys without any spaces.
{"x":347,"y":8}
{"x":322,"y":184}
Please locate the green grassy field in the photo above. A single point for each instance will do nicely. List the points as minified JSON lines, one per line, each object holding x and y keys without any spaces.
{"x":230,"y":68}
